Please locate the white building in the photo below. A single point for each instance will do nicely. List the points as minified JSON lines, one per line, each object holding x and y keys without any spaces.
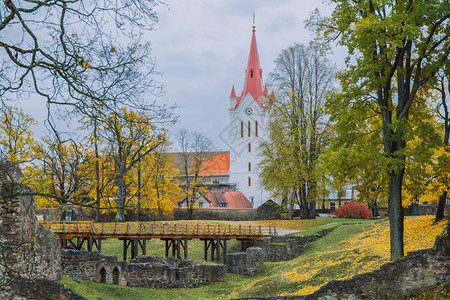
{"x":247,"y":128}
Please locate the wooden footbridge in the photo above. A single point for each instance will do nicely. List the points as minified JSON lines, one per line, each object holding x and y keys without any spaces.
{"x":135,"y":235}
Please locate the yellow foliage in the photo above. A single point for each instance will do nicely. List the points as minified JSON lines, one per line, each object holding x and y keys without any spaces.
{"x":362,"y":252}
{"x":158,"y":190}
{"x":367,"y":251}
{"x":16,"y":136}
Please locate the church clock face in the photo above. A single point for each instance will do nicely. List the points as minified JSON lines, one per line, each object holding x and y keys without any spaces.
{"x":249,"y":111}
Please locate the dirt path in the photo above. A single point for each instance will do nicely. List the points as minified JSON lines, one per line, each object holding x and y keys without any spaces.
{"x":280,"y":231}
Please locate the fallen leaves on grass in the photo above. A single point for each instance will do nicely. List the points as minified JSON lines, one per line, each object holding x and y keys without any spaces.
{"x":364,"y":252}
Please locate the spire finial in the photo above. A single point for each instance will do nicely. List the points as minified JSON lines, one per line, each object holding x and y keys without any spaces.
{"x":254,"y":24}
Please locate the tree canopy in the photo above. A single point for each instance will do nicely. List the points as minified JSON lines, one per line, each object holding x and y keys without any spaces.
{"x":77,"y":53}
{"x":297,"y":127}
{"x":394,"y":50}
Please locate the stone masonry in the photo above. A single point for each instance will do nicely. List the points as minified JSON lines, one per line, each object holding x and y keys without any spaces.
{"x":250,"y":262}
{"x":30,"y":259}
{"x":287,"y":247}
{"x":419,"y":270}
{"x":397,"y":279}
{"x":144,"y":271}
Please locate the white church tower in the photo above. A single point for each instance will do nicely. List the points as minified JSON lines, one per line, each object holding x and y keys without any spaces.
{"x":247,"y":128}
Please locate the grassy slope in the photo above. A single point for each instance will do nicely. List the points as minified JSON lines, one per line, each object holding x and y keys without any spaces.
{"x":354,"y":247}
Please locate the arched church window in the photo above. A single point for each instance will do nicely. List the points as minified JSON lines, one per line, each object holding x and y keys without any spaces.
{"x":249,"y":147}
{"x":256,"y":128}
{"x":249,"y":181}
{"x":249,"y":167}
{"x":251,"y":73}
{"x":242,"y":129}
{"x":249,"y":128}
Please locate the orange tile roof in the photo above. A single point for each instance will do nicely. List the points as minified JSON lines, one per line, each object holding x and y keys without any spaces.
{"x":235,"y":199}
{"x":216,"y":165}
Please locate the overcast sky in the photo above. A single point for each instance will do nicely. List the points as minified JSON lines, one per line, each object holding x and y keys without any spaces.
{"x":202,"y":47}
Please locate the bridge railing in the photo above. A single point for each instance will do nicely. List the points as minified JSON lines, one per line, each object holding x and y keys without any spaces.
{"x":152,"y":229}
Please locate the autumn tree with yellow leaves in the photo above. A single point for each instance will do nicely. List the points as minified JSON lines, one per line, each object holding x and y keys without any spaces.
{"x":57,"y":172}
{"x":154,"y":190}
{"x":16,"y":136}
{"x":394,"y":50}
{"x":130,"y":136}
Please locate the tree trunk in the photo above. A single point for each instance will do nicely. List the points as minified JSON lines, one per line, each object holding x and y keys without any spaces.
{"x":307,"y":210}
{"x":396,"y":214}
{"x":97,"y":172}
{"x":311,"y":210}
{"x":120,"y":214}
{"x":440,"y":211}
{"x":414,"y":209}
{"x":189,"y":213}
{"x":290,"y":210}
{"x":374,"y":208}
{"x":189,"y":209}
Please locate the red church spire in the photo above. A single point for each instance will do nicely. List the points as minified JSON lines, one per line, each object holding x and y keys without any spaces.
{"x":233,"y":93}
{"x":253,"y":75}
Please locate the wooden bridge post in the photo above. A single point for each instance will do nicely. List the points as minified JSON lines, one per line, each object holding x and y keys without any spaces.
{"x":206,"y":250}
{"x":167,"y":248}
{"x":89,"y":244}
{"x":213,"y":248}
{"x":143,"y":244}
{"x":185,"y":248}
{"x":134,"y":248}
{"x":224,"y":247}
{"x":125,"y":249}
{"x":97,"y":242}
{"x":215,"y":245}
{"x":174,"y":247}
{"x":178,"y":242}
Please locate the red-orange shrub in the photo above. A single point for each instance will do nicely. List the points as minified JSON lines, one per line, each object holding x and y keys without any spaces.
{"x":352,"y":211}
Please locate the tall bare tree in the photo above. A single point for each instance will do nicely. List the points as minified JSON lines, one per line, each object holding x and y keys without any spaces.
{"x":297,"y":127}
{"x":75,"y":52}
{"x":194,"y":152}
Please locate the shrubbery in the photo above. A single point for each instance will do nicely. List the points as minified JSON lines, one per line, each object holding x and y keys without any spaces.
{"x":352,"y":211}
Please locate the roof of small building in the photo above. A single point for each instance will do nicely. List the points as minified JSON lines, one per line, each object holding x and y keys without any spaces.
{"x":216,"y":165}
{"x":236,"y":199}
{"x":232,"y":199}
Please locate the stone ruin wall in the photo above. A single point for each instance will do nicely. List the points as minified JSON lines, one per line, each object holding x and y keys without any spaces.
{"x":275,"y":248}
{"x":26,"y":248}
{"x":249,"y":263}
{"x":412,"y":274}
{"x":398,"y":279}
{"x":144,"y":271}
{"x":287,"y":247}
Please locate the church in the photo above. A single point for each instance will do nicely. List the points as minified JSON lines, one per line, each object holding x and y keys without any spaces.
{"x":231,"y":177}
{"x":247,"y":128}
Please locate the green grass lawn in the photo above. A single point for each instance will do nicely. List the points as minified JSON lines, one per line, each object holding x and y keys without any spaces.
{"x":341,"y":254}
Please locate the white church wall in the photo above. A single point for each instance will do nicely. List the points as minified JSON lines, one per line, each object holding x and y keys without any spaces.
{"x":244,"y":149}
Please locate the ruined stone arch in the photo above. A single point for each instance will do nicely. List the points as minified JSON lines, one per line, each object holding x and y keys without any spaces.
{"x":102,"y":275}
{"x":116,"y":275}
